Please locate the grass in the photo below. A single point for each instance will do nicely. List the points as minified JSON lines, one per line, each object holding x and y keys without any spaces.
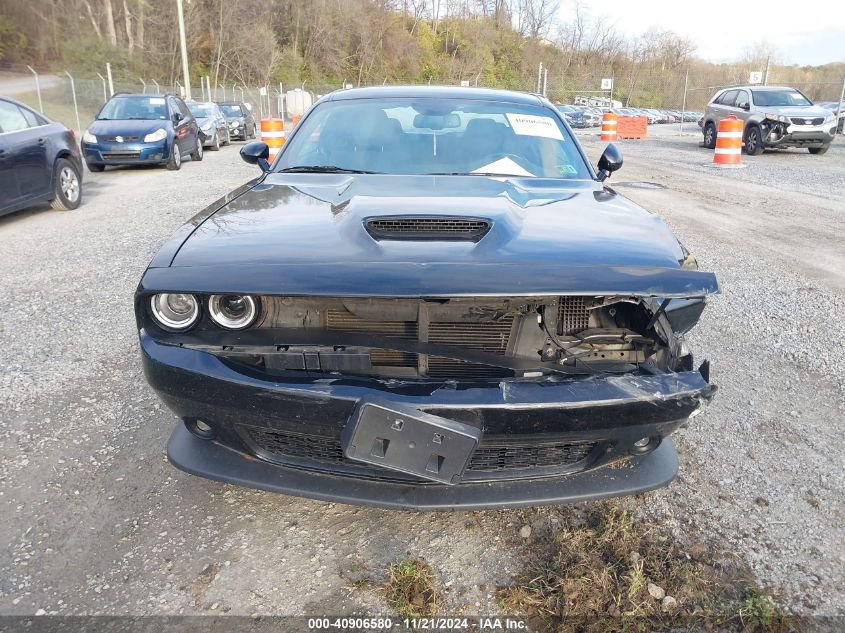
{"x":410,"y":589}
{"x":594,"y":574}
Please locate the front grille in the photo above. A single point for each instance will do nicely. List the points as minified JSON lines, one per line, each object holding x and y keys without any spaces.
{"x":572,"y":315}
{"x":493,"y":457}
{"x":125,"y":139}
{"x":120,"y":155}
{"x":428,"y":228}
{"x":348,"y":322}
{"x":803,"y":121}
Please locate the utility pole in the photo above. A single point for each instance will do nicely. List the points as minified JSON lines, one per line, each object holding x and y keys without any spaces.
{"x":539,"y":77}
{"x":545,"y":80}
{"x":766,"y":74}
{"x":184,"y":48}
{"x":684,"y":106}
{"x":111,"y":83}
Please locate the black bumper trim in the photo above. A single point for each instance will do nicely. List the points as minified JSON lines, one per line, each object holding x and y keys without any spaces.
{"x":214,"y":461}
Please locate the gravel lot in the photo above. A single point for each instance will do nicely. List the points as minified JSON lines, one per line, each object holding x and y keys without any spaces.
{"x":96,"y":522}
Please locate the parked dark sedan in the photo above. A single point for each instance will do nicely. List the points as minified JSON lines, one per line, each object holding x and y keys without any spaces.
{"x":137,"y":129}
{"x":241,"y":122}
{"x":39,"y":160}
{"x":429,"y":300}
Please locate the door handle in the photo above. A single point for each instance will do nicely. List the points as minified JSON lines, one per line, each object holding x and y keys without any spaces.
{"x":42,"y":141}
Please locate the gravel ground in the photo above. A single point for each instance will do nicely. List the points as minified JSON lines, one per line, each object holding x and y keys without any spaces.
{"x":96,"y":522}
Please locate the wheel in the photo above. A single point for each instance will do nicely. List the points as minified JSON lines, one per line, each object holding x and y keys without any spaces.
{"x":215,"y":147}
{"x":93,"y":167}
{"x":252,"y":134}
{"x":66,"y":186}
{"x":196,"y":155}
{"x":818,"y":150}
{"x":175,"y":161}
{"x":753,"y":143}
{"x":710,"y":136}
{"x":228,"y":140}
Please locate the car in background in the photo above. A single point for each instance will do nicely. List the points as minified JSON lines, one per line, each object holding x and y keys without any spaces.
{"x":592,"y":116}
{"x":138,"y":129}
{"x":573,"y":115}
{"x":773,"y":116}
{"x":39,"y":160}
{"x":239,"y":116}
{"x":834,"y":106}
{"x":213,"y":124}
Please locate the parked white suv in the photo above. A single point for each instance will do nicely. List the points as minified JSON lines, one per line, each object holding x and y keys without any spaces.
{"x":774,"y":117}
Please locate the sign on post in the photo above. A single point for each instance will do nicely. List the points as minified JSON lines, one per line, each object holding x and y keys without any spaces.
{"x":464,"y":83}
{"x":607,"y":83}
{"x":262,"y":91}
{"x":755,"y":78}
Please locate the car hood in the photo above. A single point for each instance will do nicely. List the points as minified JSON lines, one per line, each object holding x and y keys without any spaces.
{"x":126,"y":127}
{"x":205,"y":120}
{"x":306,"y":234}
{"x":796,"y":111}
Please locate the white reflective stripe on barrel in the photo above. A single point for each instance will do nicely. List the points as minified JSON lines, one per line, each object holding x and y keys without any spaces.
{"x":728,"y":150}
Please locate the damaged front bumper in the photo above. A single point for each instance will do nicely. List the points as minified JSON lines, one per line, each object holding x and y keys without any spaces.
{"x":555,"y":439}
{"x":780,"y":134}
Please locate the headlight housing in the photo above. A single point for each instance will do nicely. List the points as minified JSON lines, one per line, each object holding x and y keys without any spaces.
{"x":777,"y":117}
{"x":159,"y":135}
{"x":175,"y":311}
{"x":88,"y":137}
{"x":235,"y":124}
{"x":233,"y":312}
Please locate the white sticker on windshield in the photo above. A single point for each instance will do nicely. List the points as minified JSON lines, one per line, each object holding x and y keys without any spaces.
{"x":503,"y":167}
{"x":156,"y":101}
{"x":532,"y":125}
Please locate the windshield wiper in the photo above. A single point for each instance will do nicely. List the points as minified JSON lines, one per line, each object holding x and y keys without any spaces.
{"x":324,"y":169}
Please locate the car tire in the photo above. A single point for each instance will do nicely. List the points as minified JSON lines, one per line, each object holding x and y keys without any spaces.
{"x":216,"y":146}
{"x":228,"y":140}
{"x":818,"y":150}
{"x":753,"y":141}
{"x":94,"y":168}
{"x":67,"y":186}
{"x":196,"y":155}
{"x":175,"y":162}
{"x":710,"y":136}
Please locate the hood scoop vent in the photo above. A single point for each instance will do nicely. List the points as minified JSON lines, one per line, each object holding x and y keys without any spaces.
{"x":428,"y":227}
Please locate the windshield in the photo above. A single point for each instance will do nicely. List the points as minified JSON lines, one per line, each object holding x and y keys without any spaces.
{"x":435,"y":136}
{"x":231,"y":110}
{"x":201,"y":110}
{"x":144,"y":108}
{"x":779,"y":98}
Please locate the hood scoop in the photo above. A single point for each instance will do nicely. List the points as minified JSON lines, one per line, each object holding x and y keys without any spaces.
{"x":443,"y":228}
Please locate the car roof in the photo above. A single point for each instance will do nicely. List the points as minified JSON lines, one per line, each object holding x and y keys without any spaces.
{"x":436,"y":92}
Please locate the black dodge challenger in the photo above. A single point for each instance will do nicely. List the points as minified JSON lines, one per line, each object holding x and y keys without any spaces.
{"x":429,"y":300}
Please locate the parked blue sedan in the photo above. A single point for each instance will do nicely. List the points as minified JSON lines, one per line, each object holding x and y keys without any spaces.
{"x":133,"y":129}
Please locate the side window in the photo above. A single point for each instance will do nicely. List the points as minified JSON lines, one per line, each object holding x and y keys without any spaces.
{"x":11,"y":118}
{"x":31,"y":119}
{"x":183,"y":108}
{"x":728,"y":98}
{"x":742,"y":99}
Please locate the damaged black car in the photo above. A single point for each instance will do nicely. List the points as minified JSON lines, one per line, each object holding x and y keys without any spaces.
{"x":429,"y":300}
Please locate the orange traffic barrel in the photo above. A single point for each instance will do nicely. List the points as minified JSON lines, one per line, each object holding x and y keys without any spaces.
{"x":295,"y":119}
{"x":729,"y":142}
{"x":273,"y":133}
{"x":608,"y":126}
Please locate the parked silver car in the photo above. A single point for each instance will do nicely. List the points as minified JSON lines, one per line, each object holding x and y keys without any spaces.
{"x":212,"y":122}
{"x":774,"y":117}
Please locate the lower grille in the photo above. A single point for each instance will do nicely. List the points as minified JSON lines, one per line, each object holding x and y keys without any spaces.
{"x":493,"y":457}
{"x":121,"y":155}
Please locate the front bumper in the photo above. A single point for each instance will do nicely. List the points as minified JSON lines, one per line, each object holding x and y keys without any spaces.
{"x":606,"y":413}
{"x":804,"y":136}
{"x":103,"y":153}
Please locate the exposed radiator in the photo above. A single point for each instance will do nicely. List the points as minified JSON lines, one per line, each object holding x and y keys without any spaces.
{"x":572,"y":315}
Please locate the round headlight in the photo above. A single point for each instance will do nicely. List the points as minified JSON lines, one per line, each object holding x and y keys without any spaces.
{"x":175,"y":311}
{"x":233,"y":312}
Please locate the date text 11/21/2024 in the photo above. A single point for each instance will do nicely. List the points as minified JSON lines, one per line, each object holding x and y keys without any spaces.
{"x":418,"y":624}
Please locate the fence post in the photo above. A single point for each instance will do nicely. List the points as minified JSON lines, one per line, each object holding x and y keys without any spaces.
{"x":155,"y":83}
{"x":108,"y":74}
{"x":105,"y":94}
{"x":539,"y":76}
{"x":75,"y":107}
{"x":282,"y":101}
{"x":545,"y":80}
{"x":37,"y":88}
{"x":684,"y":106}
{"x":839,"y":107}
{"x":144,"y":84}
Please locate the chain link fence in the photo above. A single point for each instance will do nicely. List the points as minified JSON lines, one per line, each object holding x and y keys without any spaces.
{"x":75,"y":101}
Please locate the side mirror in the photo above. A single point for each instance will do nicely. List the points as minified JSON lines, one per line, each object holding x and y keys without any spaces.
{"x":746,"y":106}
{"x":610,"y":161}
{"x":177,"y":118}
{"x":256,"y":153}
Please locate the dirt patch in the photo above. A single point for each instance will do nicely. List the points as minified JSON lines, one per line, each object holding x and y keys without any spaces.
{"x":410,"y":589}
{"x":604,"y":570}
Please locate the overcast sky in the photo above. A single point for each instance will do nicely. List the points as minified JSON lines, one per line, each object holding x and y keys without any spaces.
{"x":803,"y":33}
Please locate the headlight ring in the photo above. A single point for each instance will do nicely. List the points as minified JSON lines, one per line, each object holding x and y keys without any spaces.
{"x":232,"y":312}
{"x":175,"y":311}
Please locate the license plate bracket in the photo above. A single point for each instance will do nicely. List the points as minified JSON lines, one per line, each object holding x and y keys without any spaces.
{"x":404,"y":439}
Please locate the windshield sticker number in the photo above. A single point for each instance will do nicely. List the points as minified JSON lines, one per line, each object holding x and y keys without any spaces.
{"x":532,"y":125}
{"x":567,"y":169}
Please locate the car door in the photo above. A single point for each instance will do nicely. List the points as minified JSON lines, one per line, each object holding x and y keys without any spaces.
{"x":28,"y":144}
{"x":8,"y":181}
{"x":191,"y":126}
{"x":180,"y":125}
